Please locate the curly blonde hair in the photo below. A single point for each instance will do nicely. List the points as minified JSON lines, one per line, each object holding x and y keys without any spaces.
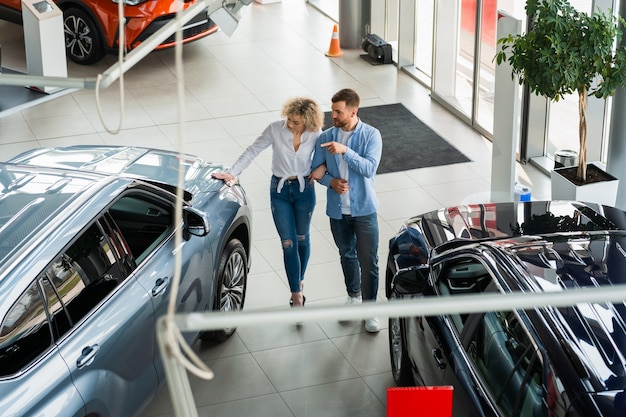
{"x":308,"y":109}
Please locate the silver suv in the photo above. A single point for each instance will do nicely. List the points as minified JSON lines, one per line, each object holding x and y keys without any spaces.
{"x":86,"y":264}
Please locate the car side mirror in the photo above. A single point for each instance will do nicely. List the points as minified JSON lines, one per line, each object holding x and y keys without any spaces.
{"x":196,"y":222}
{"x":411,"y":280}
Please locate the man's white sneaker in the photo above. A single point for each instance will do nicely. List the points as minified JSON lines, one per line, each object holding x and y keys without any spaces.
{"x":372,"y":325}
{"x":353,"y":300}
{"x":350,"y":301}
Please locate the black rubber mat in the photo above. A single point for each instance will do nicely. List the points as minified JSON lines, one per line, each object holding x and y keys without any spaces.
{"x":407,"y":142}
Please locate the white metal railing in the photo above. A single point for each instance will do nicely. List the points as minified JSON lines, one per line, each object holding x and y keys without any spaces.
{"x":178,"y":381}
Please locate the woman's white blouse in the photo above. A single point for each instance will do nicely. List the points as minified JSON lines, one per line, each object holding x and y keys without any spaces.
{"x":286,"y":161}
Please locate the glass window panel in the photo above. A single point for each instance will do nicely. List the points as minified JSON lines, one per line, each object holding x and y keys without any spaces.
{"x":24,"y":333}
{"x":454,"y":53}
{"x":503,"y":355}
{"x":59,"y":318}
{"x":424,"y":15}
{"x":486,"y":65}
{"x":86,"y":273}
{"x":562,"y":131}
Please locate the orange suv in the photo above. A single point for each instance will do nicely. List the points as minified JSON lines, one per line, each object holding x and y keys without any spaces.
{"x":91,"y":26}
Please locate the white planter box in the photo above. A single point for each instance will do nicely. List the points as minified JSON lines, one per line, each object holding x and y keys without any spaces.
{"x":604,"y":192}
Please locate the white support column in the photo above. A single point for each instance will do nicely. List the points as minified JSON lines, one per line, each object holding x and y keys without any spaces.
{"x":506,"y":120}
{"x":597,"y":108}
{"x":377,"y":16}
{"x":447,"y":18}
{"x":617,"y":138}
{"x":406,"y":33}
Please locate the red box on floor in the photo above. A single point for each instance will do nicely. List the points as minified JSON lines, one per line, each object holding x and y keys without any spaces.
{"x":419,"y":402}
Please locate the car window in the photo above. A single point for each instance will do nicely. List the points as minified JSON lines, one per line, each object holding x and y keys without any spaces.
{"x":81,"y":277}
{"x":59,"y":317}
{"x":24,"y":332}
{"x":507,"y":361}
{"x":119,"y":244}
{"x":68,"y":289}
{"x":145,"y":221}
{"x":462,"y":276}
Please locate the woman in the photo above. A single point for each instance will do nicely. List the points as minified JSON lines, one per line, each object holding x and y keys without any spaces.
{"x":292,"y":194}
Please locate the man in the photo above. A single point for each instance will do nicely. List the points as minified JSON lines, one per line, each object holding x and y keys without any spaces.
{"x":351,"y":152}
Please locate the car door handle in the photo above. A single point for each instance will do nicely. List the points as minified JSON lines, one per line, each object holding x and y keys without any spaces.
{"x":87,"y":356}
{"x":160,"y":286}
{"x":439,"y":358}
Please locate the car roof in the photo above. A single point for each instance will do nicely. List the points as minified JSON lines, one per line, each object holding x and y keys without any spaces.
{"x":157,"y":166}
{"x":137,"y":162}
{"x":30,"y":197}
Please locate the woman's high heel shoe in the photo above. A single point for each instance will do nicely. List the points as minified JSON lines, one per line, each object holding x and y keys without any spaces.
{"x":303,"y":301}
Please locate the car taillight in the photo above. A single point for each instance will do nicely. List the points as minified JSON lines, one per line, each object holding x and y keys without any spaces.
{"x":552,"y":394}
{"x":556,"y":402}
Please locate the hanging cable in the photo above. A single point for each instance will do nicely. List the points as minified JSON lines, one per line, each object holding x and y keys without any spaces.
{"x":178,"y":346}
{"x":120,"y":57}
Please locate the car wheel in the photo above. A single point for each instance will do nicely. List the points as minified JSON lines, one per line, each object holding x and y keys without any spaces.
{"x":400,"y":363}
{"x":82,"y":38}
{"x":231,"y":283}
{"x":389,"y":274}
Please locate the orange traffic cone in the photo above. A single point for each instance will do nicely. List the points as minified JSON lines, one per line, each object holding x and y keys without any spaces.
{"x":335,"y":49}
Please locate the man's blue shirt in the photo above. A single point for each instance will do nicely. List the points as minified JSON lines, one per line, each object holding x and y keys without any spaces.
{"x":365,"y":148}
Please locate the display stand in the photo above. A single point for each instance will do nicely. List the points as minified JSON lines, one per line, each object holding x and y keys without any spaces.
{"x":44,"y":40}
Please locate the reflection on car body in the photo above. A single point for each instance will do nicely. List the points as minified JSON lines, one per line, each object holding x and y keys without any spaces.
{"x":86,"y":266}
{"x":567,"y":361}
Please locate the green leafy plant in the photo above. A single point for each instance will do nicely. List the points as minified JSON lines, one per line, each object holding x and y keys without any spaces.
{"x":566,"y":51}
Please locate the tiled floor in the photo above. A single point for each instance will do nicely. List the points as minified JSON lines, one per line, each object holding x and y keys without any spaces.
{"x":234,"y":87}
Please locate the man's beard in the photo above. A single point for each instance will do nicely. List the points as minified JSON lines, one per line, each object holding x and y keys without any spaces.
{"x":339,"y":123}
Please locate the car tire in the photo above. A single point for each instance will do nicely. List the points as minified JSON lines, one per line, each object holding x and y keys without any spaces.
{"x":231,"y":281}
{"x":400,"y":363}
{"x":83,"y":41}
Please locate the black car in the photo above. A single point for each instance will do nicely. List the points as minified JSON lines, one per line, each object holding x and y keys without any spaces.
{"x":568,"y":361}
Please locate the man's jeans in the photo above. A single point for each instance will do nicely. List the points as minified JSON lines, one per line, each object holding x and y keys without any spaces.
{"x":357,"y":241}
{"x":292,"y":211}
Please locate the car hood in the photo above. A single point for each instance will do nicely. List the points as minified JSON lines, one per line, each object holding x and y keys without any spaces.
{"x":146,"y":164}
{"x":592,"y":335}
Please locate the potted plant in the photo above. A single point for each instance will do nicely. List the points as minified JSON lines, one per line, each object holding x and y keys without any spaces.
{"x":567,"y":51}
